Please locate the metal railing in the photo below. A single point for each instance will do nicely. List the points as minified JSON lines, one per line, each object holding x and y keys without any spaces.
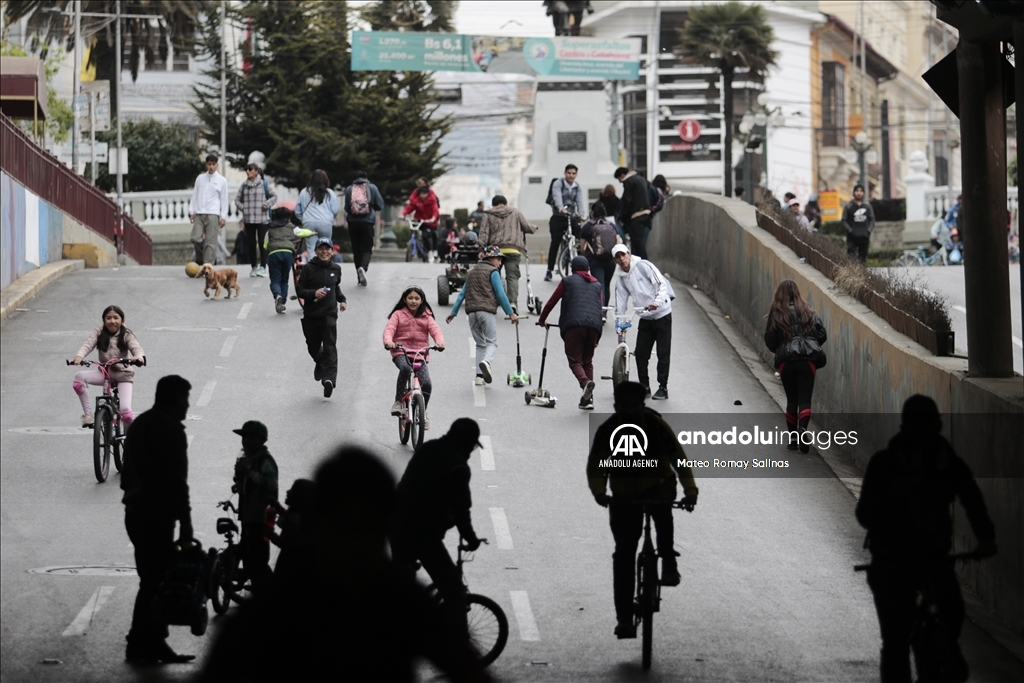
{"x":41,"y":172}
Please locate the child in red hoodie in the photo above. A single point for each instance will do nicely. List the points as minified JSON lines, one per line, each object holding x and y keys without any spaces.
{"x":412,"y":325}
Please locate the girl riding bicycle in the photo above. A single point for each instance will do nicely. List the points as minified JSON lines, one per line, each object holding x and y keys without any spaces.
{"x":113,"y":340}
{"x":411,"y":324}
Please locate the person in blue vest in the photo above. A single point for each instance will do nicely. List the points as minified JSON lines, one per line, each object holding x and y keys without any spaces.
{"x":580,"y":322}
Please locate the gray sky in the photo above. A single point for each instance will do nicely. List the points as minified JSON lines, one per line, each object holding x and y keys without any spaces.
{"x":498,"y":18}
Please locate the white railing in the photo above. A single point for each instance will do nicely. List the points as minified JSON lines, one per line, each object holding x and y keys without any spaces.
{"x":938,"y":200}
{"x":166,"y":207}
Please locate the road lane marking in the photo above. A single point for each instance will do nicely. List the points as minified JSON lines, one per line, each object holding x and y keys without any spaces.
{"x":204,"y":398}
{"x":502,"y":535}
{"x":486,"y":454}
{"x":1017,"y":341}
{"x":524,"y":616}
{"x":472,"y":348}
{"x":959,"y":308}
{"x":245,"y":311}
{"x":190,"y":437}
{"x":479,"y":398}
{"x":81,"y":624}
{"x":229,"y":344}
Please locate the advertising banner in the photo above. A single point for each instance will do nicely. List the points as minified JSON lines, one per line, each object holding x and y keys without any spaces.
{"x":596,"y":58}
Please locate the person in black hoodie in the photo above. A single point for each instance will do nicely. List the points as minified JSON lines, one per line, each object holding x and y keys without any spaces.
{"x":634,"y":209}
{"x":906,"y":504}
{"x":859,"y":223}
{"x":795,"y":334}
{"x":320,"y":286}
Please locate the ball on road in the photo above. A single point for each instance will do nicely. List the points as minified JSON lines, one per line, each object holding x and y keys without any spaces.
{"x":191,"y":269}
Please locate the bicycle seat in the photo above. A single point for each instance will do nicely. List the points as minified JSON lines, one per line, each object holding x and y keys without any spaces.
{"x":417,"y":366}
{"x":225,"y":525}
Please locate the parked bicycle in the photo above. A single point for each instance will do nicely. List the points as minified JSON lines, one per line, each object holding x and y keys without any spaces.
{"x":414,"y":405}
{"x":108,"y":429}
{"x":486,"y":621}
{"x":920,"y":257}
{"x":647,"y":600}
{"x":620,"y":357}
{"x":570,"y":246}
{"x":227,"y":579}
{"x":414,"y":247}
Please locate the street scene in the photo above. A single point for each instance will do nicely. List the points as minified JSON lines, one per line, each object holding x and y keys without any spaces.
{"x":548,"y":341}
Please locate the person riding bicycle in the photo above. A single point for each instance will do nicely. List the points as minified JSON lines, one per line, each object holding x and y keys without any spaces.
{"x":432,"y":497}
{"x":424,"y":207}
{"x":124,"y":345}
{"x":256,"y":483}
{"x":905,"y":505}
{"x":657,"y":482}
{"x":565,"y":198}
{"x":411,"y":324}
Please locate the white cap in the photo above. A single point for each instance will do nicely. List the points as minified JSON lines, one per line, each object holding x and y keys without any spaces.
{"x":619,"y":249}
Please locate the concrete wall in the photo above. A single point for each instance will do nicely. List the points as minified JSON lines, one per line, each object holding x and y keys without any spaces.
{"x":715,"y":243}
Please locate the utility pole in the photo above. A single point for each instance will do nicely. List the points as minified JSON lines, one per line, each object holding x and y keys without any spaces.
{"x":653,"y":133}
{"x":75,"y":128}
{"x":223,"y":78}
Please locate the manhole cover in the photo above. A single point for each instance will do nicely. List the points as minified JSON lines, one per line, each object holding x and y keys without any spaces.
{"x":174,"y":328}
{"x":87,"y":570}
{"x":56,"y":431}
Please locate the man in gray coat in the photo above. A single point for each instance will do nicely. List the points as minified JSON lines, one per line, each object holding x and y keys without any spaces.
{"x":504,"y":227}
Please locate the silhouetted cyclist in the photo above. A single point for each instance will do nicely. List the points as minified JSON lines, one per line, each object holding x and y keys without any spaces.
{"x":905,"y":506}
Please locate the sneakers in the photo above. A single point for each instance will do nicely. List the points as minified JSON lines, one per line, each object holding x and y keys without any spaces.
{"x":261,"y":271}
{"x":648,"y":394}
{"x":661,"y":394}
{"x":547,"y":278}
{"x":624,"y":630}
{"x":254,"y":272}
{"x":397,"y":409}
{"x":279,"y":304}
{"x":426,"y":421}
{"x":361,"y":276}
{"x":588,"y":392}
{"x":328,"y":388}
{"x":479,"y":381}
{"x":669,"y":572}
{"x":87,"y":420}
{"x":485,"y":371}
{"x":586,"y":404}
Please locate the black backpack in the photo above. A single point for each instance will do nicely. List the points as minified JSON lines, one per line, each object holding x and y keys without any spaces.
{"x":604,"y":235}
{"x":550,"y":201}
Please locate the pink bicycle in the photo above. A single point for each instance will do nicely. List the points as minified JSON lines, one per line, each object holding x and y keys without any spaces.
{"x":107,"y":427}
{"x":414,"y":405}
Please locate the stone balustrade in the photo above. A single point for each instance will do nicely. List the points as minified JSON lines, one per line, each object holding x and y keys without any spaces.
{"x":166,"y":207}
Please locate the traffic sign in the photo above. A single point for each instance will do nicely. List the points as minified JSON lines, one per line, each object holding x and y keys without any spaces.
{"x":84,"y":152}
{"x":689,"y":130}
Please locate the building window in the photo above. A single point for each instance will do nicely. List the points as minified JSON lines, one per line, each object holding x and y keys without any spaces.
{"x":941,"y":164}
{"x":833,"y":106}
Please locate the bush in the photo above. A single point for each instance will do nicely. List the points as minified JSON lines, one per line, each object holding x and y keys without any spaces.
{"x":462,"y":217}
{"x":833,"y":228}
{"x":890,"y":209}
{"x":402,"y":232}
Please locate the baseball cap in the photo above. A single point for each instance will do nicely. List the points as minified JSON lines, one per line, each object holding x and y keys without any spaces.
{"x":253,"y":428}
{"x":323,"y":241}
{"x":794,"y":202}
{"x":579,"y":263}
{"x":465,"y":431}
{"x":619,"y":249}
{"x":492,"y":252}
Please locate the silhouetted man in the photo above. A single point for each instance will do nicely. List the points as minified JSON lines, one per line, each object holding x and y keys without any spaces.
{"x":155,"y":483}
{"x":905,"y":506}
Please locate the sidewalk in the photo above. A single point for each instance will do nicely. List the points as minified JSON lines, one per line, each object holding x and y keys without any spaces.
{"x":31,"y":283}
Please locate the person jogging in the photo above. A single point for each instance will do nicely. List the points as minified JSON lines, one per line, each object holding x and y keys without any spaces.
{"x":320,"y":286}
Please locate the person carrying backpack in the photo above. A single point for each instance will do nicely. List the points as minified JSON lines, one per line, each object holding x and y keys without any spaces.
{"x":634,"y":208}
{"x":564,"y":197}
{"x":254,"y":200}
{"x":597,"y":239}
{"x":362,"y":201}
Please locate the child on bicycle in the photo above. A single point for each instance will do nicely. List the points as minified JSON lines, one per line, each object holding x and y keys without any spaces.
{"x":411,"y":324}
{"x":113,"y":340}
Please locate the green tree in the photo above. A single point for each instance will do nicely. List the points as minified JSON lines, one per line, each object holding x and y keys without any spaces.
{"x":298,"y":102}
{"x":59,"y":114}
{"x":161,"y":156}
{"x":51,"y":21}
{"x":726,"y":37}
{"x":1011,"y":171}
{"x":410,"y":15}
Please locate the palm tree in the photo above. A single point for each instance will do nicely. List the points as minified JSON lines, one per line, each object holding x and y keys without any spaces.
{"x":728,"y":36}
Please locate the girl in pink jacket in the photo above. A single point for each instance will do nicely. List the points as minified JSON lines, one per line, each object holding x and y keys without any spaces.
{"x":412,"y":325}
{"x":113,"y":340}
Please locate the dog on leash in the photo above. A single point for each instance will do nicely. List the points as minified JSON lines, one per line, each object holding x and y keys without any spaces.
{"x":216,"y":279}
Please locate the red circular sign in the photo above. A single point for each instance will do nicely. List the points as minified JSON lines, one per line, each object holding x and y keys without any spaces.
{"x":689,"y":130}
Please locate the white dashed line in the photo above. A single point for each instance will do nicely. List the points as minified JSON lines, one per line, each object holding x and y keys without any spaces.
{"x":486,"y":454}
{"x":229,"y":343}
{"x":1017,"y":341}
{"x":472,"y":348}
{"x":245,"y":311}
{"x":502,"y":535}
{"x":959,"y":308}
{"x":190,"y":437}
{"x":479,"y":398}
{"x":524,"y":616}
{"x":81,"y":624}
{"x":204,"y":398}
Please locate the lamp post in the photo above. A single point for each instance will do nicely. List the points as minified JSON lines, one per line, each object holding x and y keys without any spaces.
{"x":865,"y":153}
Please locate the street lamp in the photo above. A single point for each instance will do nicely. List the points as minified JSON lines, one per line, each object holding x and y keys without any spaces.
{"x":865,"y":153}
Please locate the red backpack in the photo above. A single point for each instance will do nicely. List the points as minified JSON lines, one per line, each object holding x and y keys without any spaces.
{"x":359,"y":200}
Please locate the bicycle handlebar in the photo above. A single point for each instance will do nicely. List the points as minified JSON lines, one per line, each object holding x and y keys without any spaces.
{"x":226,"y":505}
{"x":681,"y":504}
{"x":138,"y":362}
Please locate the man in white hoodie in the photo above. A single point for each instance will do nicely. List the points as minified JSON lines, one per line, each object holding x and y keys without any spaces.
{"x":645,"y":283}
{"x":208,"y":211}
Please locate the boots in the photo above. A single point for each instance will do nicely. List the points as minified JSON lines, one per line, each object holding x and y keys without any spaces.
{"x":670,"y":571}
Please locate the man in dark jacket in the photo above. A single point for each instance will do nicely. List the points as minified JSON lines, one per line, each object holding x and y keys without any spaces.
{"x":256,"y":483}
{"x":859,"y":223}
{"x":506,"y":228}
{"x":361,"y":216}
{"x":905,"y":504}
{"x":155,"y":483}
{"x":320,"y":286}
{"x":579,"y":322}
{"x":634,"y":208}
{"x":432,"y":497}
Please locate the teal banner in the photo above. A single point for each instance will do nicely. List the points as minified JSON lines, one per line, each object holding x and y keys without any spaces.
{"x":596,"y":58}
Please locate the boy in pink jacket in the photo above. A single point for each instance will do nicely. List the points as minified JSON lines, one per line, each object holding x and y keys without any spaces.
{"x":411,"y":324}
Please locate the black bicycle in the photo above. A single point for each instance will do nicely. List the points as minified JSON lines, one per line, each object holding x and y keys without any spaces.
{"x":227,"y":579}
{"x":108,"y":430}
{"x":485,"y":620}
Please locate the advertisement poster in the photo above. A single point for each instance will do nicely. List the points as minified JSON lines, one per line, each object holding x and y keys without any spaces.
{"x":596,"y":58}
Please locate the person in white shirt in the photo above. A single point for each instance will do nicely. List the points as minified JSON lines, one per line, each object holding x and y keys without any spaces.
{"x":645,"y":283}
{"x":208,"y":211}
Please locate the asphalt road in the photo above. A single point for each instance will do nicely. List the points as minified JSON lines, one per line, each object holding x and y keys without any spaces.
{"x":768,"y":590}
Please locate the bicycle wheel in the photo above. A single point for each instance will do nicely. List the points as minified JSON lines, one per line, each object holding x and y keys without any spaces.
{"x":560,"y":261}
{"x":410,"y":250}
{"x":403,"y":430}
{"x":118,"y":444}
{"x":648,"y":566}
{"x":101,"y":435}
{"x":418,"y":410}
{"x":220,"y":590}
{"x":620,"y":365}
{"x":488,"y":627}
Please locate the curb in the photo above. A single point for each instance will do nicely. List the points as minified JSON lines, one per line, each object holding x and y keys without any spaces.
{"x":33,"y":282}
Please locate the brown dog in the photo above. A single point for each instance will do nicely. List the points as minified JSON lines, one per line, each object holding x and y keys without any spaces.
{"x":215,"y":279}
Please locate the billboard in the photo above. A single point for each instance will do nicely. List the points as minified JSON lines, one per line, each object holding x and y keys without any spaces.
{"x":595,"y":58}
